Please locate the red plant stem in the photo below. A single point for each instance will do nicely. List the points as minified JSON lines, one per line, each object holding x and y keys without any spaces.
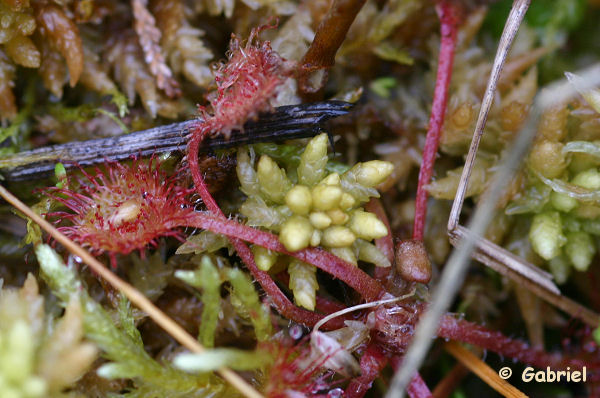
{"x":371,"y":364}
{"x":329,"y":306}
{"x":385,"y":244}
{"x":369,"y":288}
{"x":467,"y":332}
{"x":417,"y":387}
{"x":448,"y":13}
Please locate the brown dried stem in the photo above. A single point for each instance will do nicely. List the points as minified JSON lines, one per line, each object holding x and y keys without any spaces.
{"x":135,"y":296}
{"x":329,"y":37}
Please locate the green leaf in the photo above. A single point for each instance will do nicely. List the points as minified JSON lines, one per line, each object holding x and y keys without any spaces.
{"x":123,"y":347}
{"x":207,"y":279}
{"x":244,"y":291}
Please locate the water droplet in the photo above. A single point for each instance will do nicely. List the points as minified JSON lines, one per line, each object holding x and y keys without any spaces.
{"x":296,"y":332}
{"x":335,"y":393}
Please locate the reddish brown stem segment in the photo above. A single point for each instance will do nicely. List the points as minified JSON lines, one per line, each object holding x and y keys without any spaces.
{"x":329,"y":37}
{"x":417,"y":387}
{"x":448,"y":14}
{"x":371,"y":364}
{"x":356,"y":278}
{"x":467,"y":332}
{"x":331,"y":34}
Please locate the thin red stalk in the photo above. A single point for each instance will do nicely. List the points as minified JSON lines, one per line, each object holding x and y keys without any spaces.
{"x":385,"y":244}
{"x":467,"y":332}
{"x":356,"y":278}
{"x":417,"y":387}
{"x":328,"y":306}
{"x":282,"y":303}
{"x":448,"y":13}
{"x":371,"y":364}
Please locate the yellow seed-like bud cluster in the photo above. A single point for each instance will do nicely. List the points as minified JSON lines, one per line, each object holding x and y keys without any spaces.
{"x":311,"y":206}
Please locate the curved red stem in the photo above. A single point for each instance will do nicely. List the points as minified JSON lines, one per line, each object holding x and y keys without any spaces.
{"x":369,"y":288}
{"x":448,"y":14}
{"x":282,"y":303}
{"x":417,"y":387}
{"x":371,"y":364}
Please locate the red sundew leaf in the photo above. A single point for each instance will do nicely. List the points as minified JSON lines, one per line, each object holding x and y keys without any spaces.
{"x":245,"y":84}
{"x":123,"y":209}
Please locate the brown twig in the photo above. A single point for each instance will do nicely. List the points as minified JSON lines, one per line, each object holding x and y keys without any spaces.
{"x":329,"y":37}
{"x":481,"y":369}
{"x":135,"y":296}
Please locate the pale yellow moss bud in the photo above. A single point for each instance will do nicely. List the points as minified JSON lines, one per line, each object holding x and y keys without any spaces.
{"x":370,"y":253}
{"x":326,"y":197}
{"x":560,"y":268}
{"x":546,"y":234}
{"x":345,"y":253}
{"x":374,"y":172}
{"x":546,"y":157}
{"x":315,"y":238}
{"x":264,"y":258}
{"x":319,"y":219}
{"x":589,"y":179}
{"x":303,"y":283}
{"x":580,"y":250}
{"x":338,"y":217}
{"x":295,"y":233}
{"x":331,"y":179}
{"x":338,"y":236}
{"x":272,"y":180}
{"x":367,"y":226}
{"x":313,"y":161}
{"x":347,"y":201}
{"x":463,"y":115}
{"x":299,"y":199}
{"x":563,"y":202}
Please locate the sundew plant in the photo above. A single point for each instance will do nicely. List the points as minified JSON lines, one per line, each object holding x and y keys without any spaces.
{"x":300,"y":267}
